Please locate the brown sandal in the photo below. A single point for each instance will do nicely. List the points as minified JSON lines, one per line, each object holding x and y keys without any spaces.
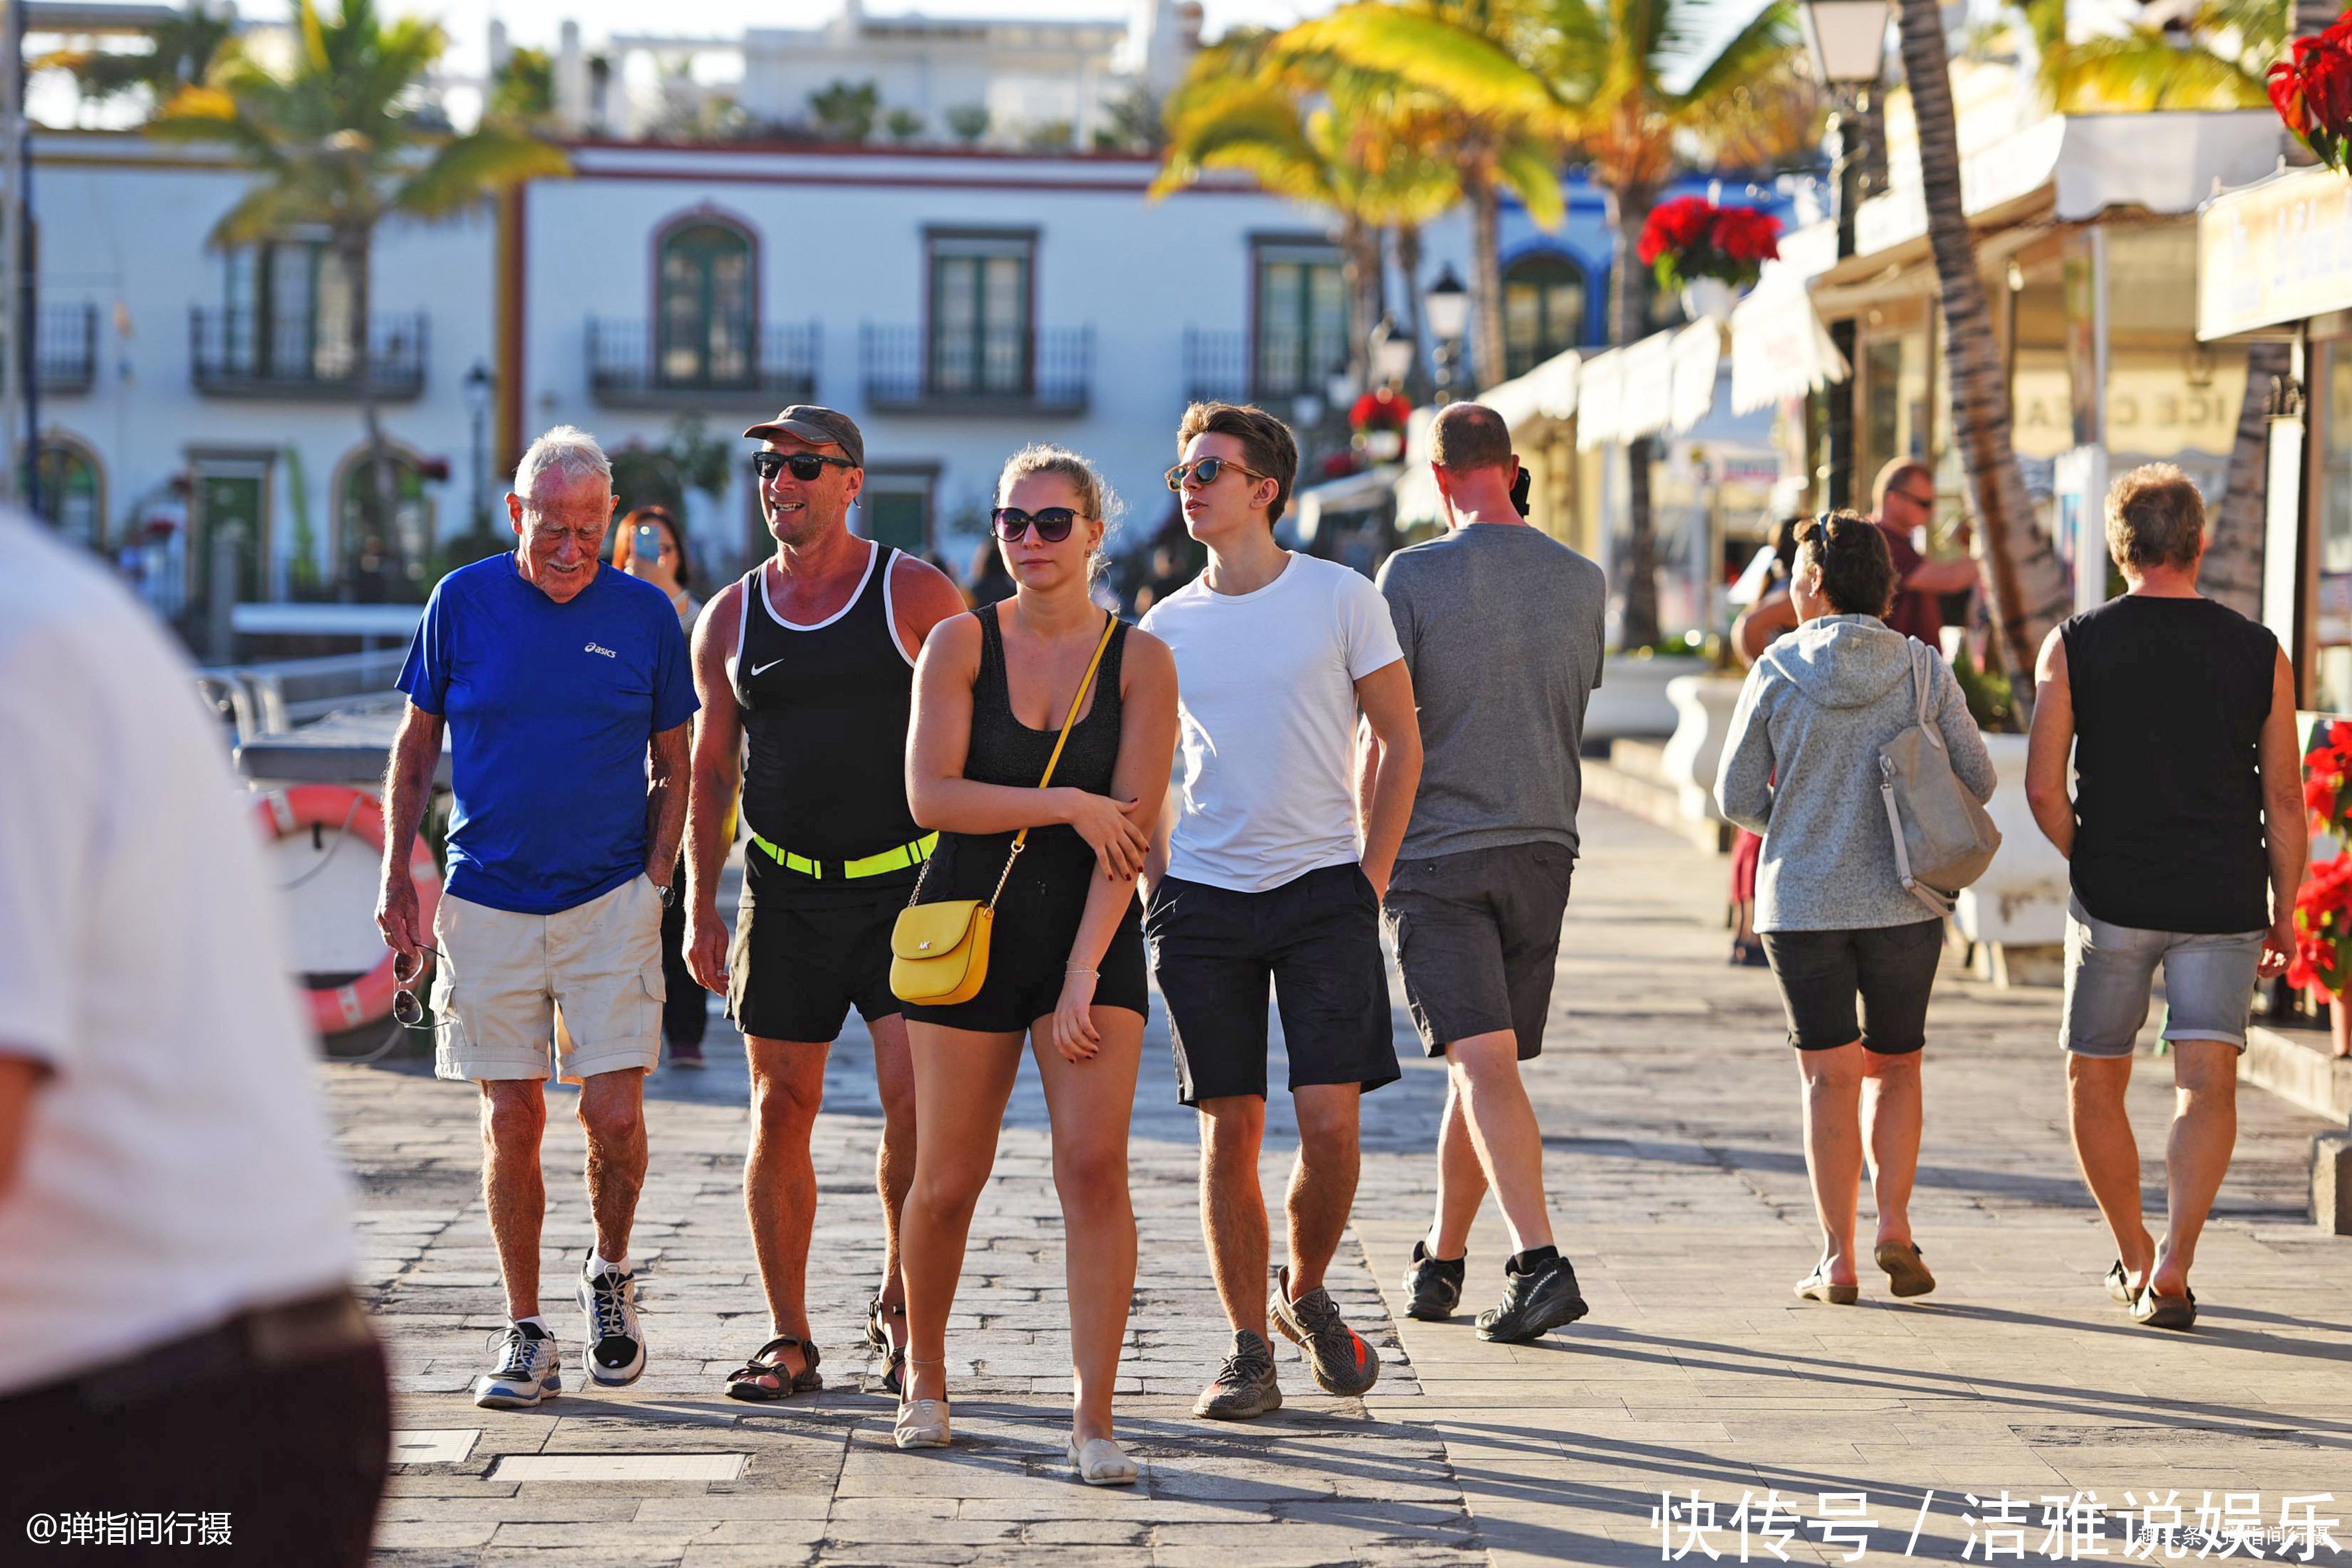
{"x":744,"y":1383}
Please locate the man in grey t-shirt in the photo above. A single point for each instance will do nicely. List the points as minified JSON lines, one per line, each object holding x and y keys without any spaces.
{"x":1501,"y":628}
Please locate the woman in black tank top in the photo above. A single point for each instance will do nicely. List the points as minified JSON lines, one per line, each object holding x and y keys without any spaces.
{"x":1065,"y":967}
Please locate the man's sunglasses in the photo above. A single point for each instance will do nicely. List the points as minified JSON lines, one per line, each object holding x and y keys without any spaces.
{"x":406,"y":1010}
{"x":805,"y":465}
{"x":1053,"y":523}
{"x":1206,"y":471}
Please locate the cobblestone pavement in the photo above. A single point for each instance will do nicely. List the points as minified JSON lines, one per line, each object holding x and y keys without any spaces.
{"x":1678,"y":1187}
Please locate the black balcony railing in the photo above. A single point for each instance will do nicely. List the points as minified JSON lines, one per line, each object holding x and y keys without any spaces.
{"x":1216,"y":366}
{"x":239,"y":353}
{"x":65,"y":350}
{"x":1047,"y":370}
{"x":628,"y":369}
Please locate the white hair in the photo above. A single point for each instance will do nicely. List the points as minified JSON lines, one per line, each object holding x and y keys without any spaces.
{"x":568,"y":449}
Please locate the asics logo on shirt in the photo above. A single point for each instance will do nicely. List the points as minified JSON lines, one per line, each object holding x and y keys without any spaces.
{"x":599,"y":648}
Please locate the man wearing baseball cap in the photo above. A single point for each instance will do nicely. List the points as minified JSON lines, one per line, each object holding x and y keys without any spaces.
{"x":811,"y":658}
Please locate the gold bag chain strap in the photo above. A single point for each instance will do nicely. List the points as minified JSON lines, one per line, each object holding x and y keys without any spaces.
{"x":1069,"y":720}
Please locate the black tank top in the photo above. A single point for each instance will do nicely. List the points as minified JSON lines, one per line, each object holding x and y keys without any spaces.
{"x":825,"y":709}
{"x":1056,"y":861}
{"x":2170,"y":696}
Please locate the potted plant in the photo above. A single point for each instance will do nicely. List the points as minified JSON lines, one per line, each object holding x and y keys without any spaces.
{"x":1707,"y":252}
{"x":2311,"y":90}
{"x":2323,"y":906}
{"x":1377,"y":419}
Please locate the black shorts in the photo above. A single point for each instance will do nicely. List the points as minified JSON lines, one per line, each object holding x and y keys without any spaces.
{"x":1892,"y":967}
{"x":1477,"y":935}
{"x":806,"y":951}
{"x":1316,"y":938}
{"x":1028,"y":956}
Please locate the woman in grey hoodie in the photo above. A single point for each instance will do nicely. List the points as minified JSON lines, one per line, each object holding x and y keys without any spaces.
{"x":1800,"y":767}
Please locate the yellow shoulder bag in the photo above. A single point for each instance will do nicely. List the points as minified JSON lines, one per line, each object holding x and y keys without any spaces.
{"x":938,"y":952}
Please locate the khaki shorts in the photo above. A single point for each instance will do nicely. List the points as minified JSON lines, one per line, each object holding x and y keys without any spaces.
{"x":503,"y":976}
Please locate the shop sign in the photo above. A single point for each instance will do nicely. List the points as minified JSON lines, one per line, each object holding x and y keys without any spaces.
{"x":2275,"y":252}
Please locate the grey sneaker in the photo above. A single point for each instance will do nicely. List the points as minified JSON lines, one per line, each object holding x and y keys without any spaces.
{"x":530,"y":1369}
{"x":1344,"y":1364}
{"x":615,"y":1356}
{"x":1244,"y":1386}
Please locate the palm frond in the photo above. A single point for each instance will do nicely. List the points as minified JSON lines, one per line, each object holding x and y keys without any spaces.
{"x":1767,"y":44}
{"x":464,"y":169}
{"x":1530,"y":171}
{"x":1469,"y":71}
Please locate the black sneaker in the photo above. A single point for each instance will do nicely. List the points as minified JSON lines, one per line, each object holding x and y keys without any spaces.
{"x":617,"y":1347}
{"x":1344,"y":1364}
{"x":1432,"y":1285}
{"x":1544,"y":1297}
{"x":1244,"y":1386}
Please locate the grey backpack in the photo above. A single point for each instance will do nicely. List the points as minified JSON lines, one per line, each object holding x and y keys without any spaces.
{"x":1944,"y":838}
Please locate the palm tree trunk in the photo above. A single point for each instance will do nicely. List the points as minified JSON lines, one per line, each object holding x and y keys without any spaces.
{"x":2233,"y":558}
{"x":1628,"y":315}
{"x":1408,"y":251}
{"x":1486,"y":280}
{"x":2030,"y":589}
{"x":1360,"y":249}
{"x":377,"y":500}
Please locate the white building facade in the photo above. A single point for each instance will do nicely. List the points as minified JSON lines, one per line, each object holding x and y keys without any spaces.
{"x":958,"y":304}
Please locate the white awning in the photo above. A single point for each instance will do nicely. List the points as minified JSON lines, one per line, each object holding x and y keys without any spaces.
{"x":1547,"y":392}
{"x":1648,"y":391}
{"x":1779,"y":346}
{"x":1698,"y":355}
{"x":1601,"y":399}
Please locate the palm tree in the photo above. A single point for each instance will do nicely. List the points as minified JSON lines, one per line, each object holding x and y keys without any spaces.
{"x":336,"y":137}
{"x":2030,"y":587}
{"x":1612,"y":59}
{"x":1467,"y":97}
{"x":1342,"y":141}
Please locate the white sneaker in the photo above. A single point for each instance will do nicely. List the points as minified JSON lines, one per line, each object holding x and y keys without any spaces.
{"x":615,"y":1356}
{"x":530,"y":1369}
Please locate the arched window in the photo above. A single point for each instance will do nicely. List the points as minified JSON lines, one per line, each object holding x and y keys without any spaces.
{"x":388,"y":559}
{"x":1543,"y":310}
{"x":703,"y":309}
{"x":72,"y":501}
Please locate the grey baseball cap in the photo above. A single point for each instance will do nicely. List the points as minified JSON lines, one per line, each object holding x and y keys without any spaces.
{"x":824,"y":426}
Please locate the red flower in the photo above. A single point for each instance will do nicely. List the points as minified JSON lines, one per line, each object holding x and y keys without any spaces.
{"x":2312,"y":92}
{"x":2286,"y":96}
{"x":1744,"y":234}
{"x":1379,"y":409}
{"x":1674,"y":226}
{"x":2319,"y":797}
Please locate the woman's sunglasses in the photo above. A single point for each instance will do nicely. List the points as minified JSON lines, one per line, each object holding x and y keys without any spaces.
{"x":805,"y":465}
{"x":1053,"y":523}
{"x":1206,"y":471}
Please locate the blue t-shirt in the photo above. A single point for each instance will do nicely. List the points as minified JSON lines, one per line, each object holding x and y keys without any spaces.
{"x":549,"y":708}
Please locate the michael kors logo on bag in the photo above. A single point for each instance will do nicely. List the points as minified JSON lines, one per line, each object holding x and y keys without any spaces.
{"x":599,"y":648}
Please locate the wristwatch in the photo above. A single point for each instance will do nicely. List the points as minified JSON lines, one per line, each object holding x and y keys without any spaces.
{"x":669,"y":891}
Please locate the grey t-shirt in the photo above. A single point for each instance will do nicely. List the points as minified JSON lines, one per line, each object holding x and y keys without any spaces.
{"x":1502,"y":629}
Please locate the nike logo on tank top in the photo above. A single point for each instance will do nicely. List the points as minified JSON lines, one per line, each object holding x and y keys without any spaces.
{"x":825,"y":709}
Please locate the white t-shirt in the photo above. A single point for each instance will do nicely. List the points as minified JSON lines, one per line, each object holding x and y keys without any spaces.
{"x":176,"y":1168}
{"x":1266,"y":685}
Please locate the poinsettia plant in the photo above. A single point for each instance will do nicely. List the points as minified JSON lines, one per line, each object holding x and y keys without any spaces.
{"x":2323,"y":905}
{"x":1690,"y":237}
{"x":2311,"y":90}
{"x":1382,"y":408}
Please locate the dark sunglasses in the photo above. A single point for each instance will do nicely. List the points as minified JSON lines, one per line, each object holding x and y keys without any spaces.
{"x":1206,"y":470}
{"x":805,"y":465}
{"x":406,"y":1010}
{"x":1053,"y":523}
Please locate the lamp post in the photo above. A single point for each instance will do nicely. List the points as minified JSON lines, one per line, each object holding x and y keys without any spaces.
{"x":1847,"y":41}
{"x":477,"y":407}
{"x":1448,"y":303}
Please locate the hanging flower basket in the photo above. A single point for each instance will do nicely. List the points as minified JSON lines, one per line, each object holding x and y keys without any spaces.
{"x":1379,"y":409}
{"x":2311,"y":90}
{"x":1690,"y":238}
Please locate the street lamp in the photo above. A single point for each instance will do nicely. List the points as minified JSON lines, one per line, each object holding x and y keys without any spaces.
{"x":1847,"y":41}
{"x":1391,"y":353}
{"x":1449,"y":318}
{"x":477,"y":405}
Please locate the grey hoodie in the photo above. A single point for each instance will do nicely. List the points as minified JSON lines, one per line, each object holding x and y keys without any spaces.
{"x":1800,"y":767}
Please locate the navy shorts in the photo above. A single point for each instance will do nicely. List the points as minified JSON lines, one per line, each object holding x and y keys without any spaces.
{"x":1316,"y":939}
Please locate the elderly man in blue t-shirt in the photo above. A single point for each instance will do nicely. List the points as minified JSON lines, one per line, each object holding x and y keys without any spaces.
{"x":556,"y":680}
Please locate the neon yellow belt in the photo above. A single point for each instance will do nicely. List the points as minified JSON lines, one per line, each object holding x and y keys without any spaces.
{"x":897,"y":859}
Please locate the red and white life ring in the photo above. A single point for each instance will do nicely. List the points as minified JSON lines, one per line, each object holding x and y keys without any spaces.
{"x":285,"y":811}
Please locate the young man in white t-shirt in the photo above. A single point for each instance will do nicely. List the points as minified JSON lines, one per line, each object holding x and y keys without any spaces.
{"x":178,"y":1330}
{"x":1260,"y":877}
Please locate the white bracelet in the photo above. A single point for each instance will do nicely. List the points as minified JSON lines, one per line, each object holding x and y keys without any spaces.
{"x":1073,"y":969}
